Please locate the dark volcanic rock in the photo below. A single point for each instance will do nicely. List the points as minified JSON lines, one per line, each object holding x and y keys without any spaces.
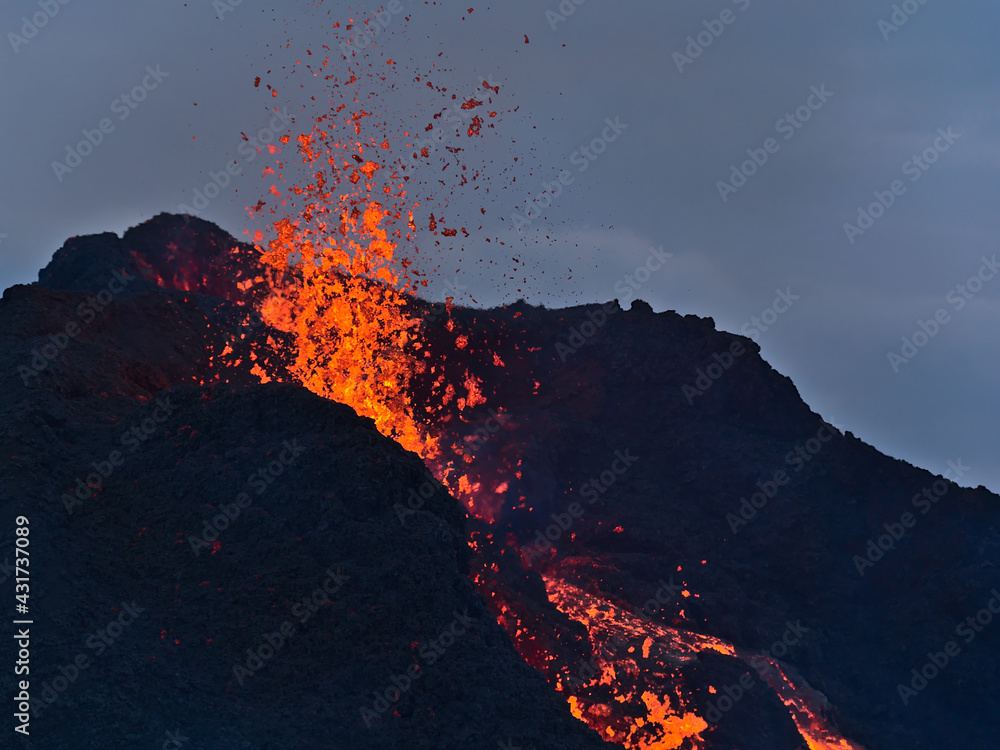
{"x":573,"y":404}
{"x":144,"y":614}
{"x":678,"y":506}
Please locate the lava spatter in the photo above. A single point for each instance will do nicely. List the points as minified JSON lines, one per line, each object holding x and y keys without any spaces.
{"x":341,"y":206}
{"x":669,"y":721}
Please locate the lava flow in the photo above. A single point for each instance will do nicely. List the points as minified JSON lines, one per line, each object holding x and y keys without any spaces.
{"x":621,"y":673}
{"x":628,"y":698}
{"x":355,"y":343}
{"x":345,"y":305}
{"x":332,"y":282}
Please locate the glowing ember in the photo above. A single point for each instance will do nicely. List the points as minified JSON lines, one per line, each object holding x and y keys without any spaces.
{"x":347,"y":318}
{"x":625,"y":677}
{"x":335,"y":286}
{"x":668,"y":721}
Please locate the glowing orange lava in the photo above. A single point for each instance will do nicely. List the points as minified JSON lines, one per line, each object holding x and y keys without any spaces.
{"x":346,"y":314}
{"x":657,"y":721}
{"x":336,"y":286}
{"x":669,"y":722}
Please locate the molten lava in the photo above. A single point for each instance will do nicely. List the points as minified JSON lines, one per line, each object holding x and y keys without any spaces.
{"x":624,"y":700}
{"x":332,"y":282}
{"x":668,"y":722}
{"x":351,"y":331}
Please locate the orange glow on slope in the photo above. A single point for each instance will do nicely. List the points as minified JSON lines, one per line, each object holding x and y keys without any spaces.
{"x":337,"y":287}
{"x":664,"y":726}
{"x":345,"y":307}
{"x":805,"y":705}
{"x":346,"y":315}
{"x":656,"y":721}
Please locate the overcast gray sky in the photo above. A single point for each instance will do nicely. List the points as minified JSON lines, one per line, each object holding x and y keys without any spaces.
{"x":847,"y":95}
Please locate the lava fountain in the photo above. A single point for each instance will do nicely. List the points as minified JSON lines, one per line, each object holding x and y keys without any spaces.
{"x":332,"y":281}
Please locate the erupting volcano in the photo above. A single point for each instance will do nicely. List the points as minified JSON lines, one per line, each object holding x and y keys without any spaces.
{"x":330,"y":281}
{"x":650,"y":620}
